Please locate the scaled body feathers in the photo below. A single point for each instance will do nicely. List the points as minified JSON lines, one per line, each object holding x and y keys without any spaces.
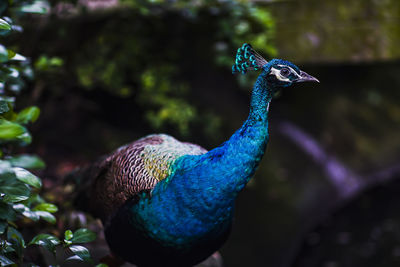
{"x":131,"y":169}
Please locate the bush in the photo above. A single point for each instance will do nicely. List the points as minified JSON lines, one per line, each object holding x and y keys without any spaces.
{"x":20,"y":199}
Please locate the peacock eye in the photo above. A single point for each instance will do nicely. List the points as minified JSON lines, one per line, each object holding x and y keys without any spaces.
{"x":285,"y":72}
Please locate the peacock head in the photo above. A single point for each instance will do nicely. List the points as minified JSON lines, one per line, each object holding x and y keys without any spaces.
{"x":277,"y":72}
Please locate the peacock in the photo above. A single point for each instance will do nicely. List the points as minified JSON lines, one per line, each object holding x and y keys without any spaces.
{"x":169,"y":203}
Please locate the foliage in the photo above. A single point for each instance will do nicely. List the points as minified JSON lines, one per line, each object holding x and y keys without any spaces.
{"x":20,"y":200}
{"x":124,"y":57}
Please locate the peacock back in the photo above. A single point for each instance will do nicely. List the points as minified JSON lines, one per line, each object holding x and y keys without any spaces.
{"x":131,"y":169}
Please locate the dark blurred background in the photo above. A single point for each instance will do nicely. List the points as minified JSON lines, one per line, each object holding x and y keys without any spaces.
{"x":326,"y":193}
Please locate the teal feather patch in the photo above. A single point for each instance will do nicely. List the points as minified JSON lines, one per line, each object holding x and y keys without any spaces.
{"x":247,"y":59}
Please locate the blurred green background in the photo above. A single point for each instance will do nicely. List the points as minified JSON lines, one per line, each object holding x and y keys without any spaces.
{"x":108,"y":72}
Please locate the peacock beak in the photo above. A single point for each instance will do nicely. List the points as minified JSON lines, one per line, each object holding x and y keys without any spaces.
{"x":305,"y":77}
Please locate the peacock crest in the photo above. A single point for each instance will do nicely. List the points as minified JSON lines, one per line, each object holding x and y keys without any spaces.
{"x":247,"y":59}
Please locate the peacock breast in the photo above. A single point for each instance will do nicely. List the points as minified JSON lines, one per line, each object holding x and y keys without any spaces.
{"x":178,"y":236}
{"x":179,"y":219}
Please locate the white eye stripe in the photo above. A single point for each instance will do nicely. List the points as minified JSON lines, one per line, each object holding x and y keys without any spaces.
{"x":291,"y":70}
{"x":278,"y":75}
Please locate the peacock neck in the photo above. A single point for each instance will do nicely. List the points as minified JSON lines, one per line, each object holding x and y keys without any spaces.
{"x":201,"y":190}
{"x":225,"y":170}
{"x":260,"y":100}
{"x":244,"y":150}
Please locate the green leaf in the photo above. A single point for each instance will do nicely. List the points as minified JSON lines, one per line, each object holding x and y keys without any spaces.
{"x":25,"y":139}
{"x":44,"y":63}
{"x":7,"y":99}
{"x":46,"y":207}
{"x":31,"y":215}
{"x":24,"y":210}
{"x":74,"y":257}
{"x":13,"y":189}
{"x":3,"y":54}
{"x":5,"y":168}
{"x":11,"y":53}
{"x":15,"y":197}
{"x":4,"y":106}
{"x":7,"y":212}
{"x":38,"y":7}
{"x":4,"y":26}
{"x":28,"y":72}
{"x":80,"y":251}
{"x":47,"y":216}
{"x":33,"y":199}
{"x":56,"y":62}
{"x":15,"y":84}
{"x":47,"y":241}
{"x":16,"y":239}
{"x":68,"y":235}
{"x":14,"y":233}
{"x":27,"y":162}
{"x":15,"y":56}
{"x":18,"y":57}
{"x":29,"y":114}
{"x":27,"y":177}
{"x":101,"y":265}
{"x":40,"y":237}
{"x":4,"y":261}
{"x":6,"y":247}
{"x":83,"y":235}
{"x":10,"y":130}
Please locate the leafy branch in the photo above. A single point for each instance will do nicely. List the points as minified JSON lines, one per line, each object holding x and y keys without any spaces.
{"x":20,"y":199}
